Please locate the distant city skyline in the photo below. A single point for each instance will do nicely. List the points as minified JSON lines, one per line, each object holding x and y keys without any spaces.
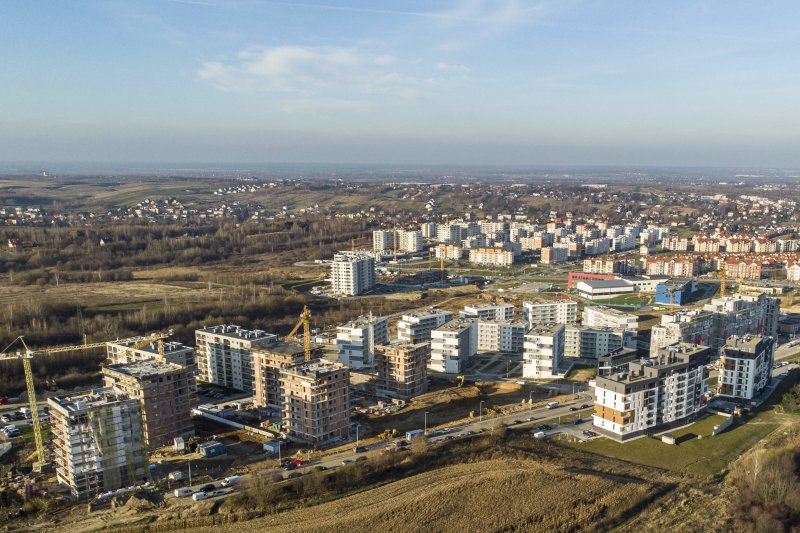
{"x":462,"y":82}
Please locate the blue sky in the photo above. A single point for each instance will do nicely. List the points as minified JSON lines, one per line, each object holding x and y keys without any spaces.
{"x":446,"y":82}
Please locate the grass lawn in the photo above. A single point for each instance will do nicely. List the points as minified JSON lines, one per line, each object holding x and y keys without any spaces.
{"x":700,"y":457}
{"x":581,"y":373}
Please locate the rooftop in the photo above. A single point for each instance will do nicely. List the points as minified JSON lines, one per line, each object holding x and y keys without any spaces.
{"x":545,"y":329}
{"x":457,"y":324}
{"x":149,"y":367}
{"x":421,"y":313}
{"x":237,"y":332}
{"x":84,"y":401}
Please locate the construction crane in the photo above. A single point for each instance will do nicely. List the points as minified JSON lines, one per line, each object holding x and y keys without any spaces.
{"x":29,"y":354}
{"x":722,"y":279}
{"x":305,"y":321}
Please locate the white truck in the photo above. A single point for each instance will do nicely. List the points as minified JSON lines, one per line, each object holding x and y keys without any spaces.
{"x":183,"y":491}
{"x":232,"y":480}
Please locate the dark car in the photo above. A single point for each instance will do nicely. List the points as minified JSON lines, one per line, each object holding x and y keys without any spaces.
{"x":207,"y":488}
{"x":359,"y":449}
{"x":584,"y":406}
{"x":545,"y":427}
{"x":573,"y":408}
{"x":577,"y":421}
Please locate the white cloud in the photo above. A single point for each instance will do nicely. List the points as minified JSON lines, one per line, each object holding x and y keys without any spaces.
{"x":331,"y":73}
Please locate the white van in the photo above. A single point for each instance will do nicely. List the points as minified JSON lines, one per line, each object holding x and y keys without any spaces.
{"x":197,"y":496}
{"x":552,"y":405}
{"x":183,"y":491}
{"x":232,"y":480}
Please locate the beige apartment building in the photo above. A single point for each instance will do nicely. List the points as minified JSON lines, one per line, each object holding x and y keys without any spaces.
{"x":402,"y":369}
{"x":268,"y":364}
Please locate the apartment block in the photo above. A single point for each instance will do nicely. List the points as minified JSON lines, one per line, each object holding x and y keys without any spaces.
{"x":268,"y":364}
{"x":554,"y":254}
{"x":488,"y":311}
{"x":402,"y":370}
{"x":174,"y":352}
{"x":454,"y":345}
{"x":98,"y":442}
{"x":316,"y":402}
{"x":554,"y":312}
{"x":543,"y":351}
{"x":600,"y":316}
{"x":166,"y":393}
{"x":352,"y":273}
{"x":745,"y":366}
{"x":491,"y":256}
{"x":652,"y":395}
{"x":693,"y":326}
{"x":594,"y":342}
{"x":224,"y":354}
{"x":450,"y":252}
{"x":416,"y":326}
{"x":356,"y":340}
{"x":506,"y":336}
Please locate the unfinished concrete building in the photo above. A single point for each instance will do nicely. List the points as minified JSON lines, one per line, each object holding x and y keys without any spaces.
{"x":316,"y":402}
{"x":174,"y":352}
{"x":166,"y":392}
{"x":98,"y":442}
{"x":402,"y":370}
{"x":268,"y":364}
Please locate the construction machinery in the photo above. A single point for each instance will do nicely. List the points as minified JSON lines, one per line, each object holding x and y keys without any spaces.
{"x":459,"y":381}
{"x":27,"y":355}
{"x":388,"y":434}
{"x":305,"y":321}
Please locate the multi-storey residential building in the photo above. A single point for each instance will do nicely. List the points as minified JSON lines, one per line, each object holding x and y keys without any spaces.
{"x":600,"y":316}
{"x":174,"y":352}
{"x":416,"y":326}
{"x":554,"y":254}
{"x":594,"y":342}
{"x":741,"y":268}
{"x":553,"y":312}
{"x":745,"y":366}
{"x":543,"y":351}
{"x":352,"y":273}
{"x":605,"y":266}
{"x":488,"y":311}
{"x":735,"y":245}
{"x":491,"y":256}
{"x":743,"y":315}
{"x":402,"y":370}
{"x":505,"y":336}
{"x":356,"y":340}
{"x":675,"y":243}
{"x":98,"y":442}
{"x":268,"y":364}
{"x":401,"y":240}
{"x":166,"y":392}
{"x":383,"y":240}
{"x":693,"y":326}
{"x":410,"y":240}
{"x":224,"y":354}
{"x":316,"y":402}
{"x":451,"y":252}
{"x":652,"y":395}
{"x":454,"y":345}
{"x":682,"y":267}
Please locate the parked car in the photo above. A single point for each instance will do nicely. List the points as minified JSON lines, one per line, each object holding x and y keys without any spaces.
{"x":207,"y":488}
{"x":359,"y":449}
{"x":347,"y":461}
{"x":545,"y":427}
{"x":6,"y":419}
{"x":552,"y":405}
{"x":577,"y":421}
{"x":231,"y":480}
{"x":183,"y":491}
{"x":573,"y":408}
{"x":197,"y":496}
{"x":584,"y":406}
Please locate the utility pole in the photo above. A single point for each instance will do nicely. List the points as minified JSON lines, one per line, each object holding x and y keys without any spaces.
{"x":480,"y":412}
{"x":425,"y":431}
{"x":190,"y":473}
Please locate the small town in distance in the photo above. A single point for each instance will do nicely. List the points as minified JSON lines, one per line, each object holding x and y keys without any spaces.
{"x":613,"y":334}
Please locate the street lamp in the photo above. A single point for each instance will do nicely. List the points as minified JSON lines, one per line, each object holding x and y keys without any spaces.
{"x":508,"y":366}
{"x":357,"y":426}
{"x":425,"y":432}
{"x":480,"y":411}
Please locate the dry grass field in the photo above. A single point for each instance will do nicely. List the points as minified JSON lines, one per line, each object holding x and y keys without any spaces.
{"x":493,"y":495}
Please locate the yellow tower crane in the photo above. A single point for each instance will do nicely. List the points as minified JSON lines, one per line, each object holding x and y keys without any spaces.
{"x":722,"y":275}
{"x":29,"y":354}
{"x":305,"y":321}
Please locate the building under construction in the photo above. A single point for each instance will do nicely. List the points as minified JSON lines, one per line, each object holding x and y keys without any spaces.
{"x":98,"y":442}
{"x":402,"y":369}
{"x":166,"y":392}
{"x":130,"y":351}
{"x":316,"y":402}
{"x":268,"y":364}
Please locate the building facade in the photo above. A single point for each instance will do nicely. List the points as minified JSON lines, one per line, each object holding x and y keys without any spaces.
{"x":505,"y":336}
{"x":488,"y":311}
{"x":402,"y":370}
{"x":454,"y":345}
{"x":98,"y":442}
{"x":224,"y":354}
{"x":652,"y":395}
{"x":268,"y":364}
{"x":356,"y":340}
{"x":416,"y":326}
{"x":745,"y":366}
{"x":352,"y":273}
{"x":316,"y":402}
{"x":556,"y":312}
{"x":543,"y":351}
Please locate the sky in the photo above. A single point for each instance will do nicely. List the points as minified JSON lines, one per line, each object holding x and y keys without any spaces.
{"x":470,"y":82}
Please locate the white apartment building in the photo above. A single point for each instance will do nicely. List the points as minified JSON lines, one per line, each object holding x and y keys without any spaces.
{"x":506,"y":336}
{"x":352,"y":273}
{"x":416,"y":326}
{"x":453,"y":346}
{"x":553,"y":312}
{"x":652,"y":395}
{"x":543,"y":351}
{"x":224,"y":355}
{"x":491,"y":257}
{"x":745,"y":366}
{"x":384,"y":240}
{"x":98,"y":442}
{"x":600,"y":316}
{"x":594,"y":342}
{"x":356,"y":340}
{"x":410,"y":240}
{"x":693,"y":326}
{"x":488,"y":311}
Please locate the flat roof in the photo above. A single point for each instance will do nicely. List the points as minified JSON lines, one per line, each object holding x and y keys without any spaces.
{"x":545,"y":329}
{"x":456,"y":324}
{"x":149,"y":367}
{"x":237,"y":332}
